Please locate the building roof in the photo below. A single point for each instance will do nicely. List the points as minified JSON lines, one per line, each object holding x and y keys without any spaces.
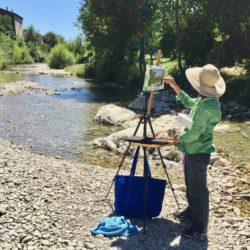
{"x":10,"y":13}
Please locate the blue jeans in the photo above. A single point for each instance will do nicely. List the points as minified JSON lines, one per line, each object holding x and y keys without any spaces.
{"x":195,"y":169}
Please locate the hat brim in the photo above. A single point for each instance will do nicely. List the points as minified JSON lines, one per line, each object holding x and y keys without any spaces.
{"x":193,"y":76}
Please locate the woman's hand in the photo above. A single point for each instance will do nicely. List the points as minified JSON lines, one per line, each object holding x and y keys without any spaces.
{"x":172,"y":139}
{"x":176,"y":140}
{"x":170,"y":80}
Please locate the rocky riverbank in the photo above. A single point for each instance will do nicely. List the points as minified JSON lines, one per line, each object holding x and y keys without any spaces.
{"x":37,"y":69}
{"x":16,"y":88}
{"x":48,"y":203}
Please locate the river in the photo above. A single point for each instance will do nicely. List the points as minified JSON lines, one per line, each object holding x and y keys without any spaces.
{"x":63,"y":125}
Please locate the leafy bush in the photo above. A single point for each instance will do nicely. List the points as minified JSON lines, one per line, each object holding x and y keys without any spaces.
{"x":6,"y":45}
{"x":77,"y":69}
{"x":37,"y":53}
{"x":13,"y":52}
{"x":246,"y":63}
{"x":238,"y":89}
{"x":3,"y":61}
{"x":89,"y":71}
{"x":6,"y":26}
{"x":21,"y":54}
{"x":60,"y":57}
{"x":128,"y":75}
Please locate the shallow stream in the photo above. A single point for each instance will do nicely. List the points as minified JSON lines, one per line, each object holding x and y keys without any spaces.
{"x":63,"y":125}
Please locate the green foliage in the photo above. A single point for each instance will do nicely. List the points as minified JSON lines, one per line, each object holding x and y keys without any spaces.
{"x":2,"y":59}
{"x":76,"y":69}
{"x":13,"y":52}
{"x":37,"y":48}
{"x":128,"y":75}
{"x":113,"y":29}
{"x":6,"y":27}
{"x":232,"y":22}
{"x":60,"y":57}
{"x":78,"y":47}
{"x":196,"y":32}
{"x":20,"y":54}
{"x":238,"y":89}
{"x":51,"y":39}
{"x":246,"y":63}
{"x":6,"y":45}
{"x":37,"y":53}
{"x":31,"y":36}
{"x":180,"y":77}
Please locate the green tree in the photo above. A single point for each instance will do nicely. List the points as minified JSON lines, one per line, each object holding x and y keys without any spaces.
{"x":113,"y":29}
{"x":78,"y":46}
{"x":6,"y":45}
{"x":31,"y":36}
{"x":51,"y":39}
{"x":232,"y":29}
{"x":6,"y":26}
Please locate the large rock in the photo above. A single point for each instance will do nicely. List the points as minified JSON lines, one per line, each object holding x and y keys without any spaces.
{"x":166,"y":122}
{"x":114,"y":115}
{"x":116,"y":140}
{"x":163,"y":103}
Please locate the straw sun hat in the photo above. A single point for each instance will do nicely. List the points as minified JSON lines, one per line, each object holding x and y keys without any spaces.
{"x":206,"y":80}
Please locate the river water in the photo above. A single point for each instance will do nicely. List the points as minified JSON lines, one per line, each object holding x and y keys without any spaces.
{"x":63,"y":125}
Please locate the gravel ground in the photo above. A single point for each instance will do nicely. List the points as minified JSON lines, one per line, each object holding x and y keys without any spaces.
{"x":48,"y":203}
{"x":15,"y":88}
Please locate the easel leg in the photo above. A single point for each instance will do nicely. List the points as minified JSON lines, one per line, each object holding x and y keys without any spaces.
{"x":163,"y":164}
{"x":166,"y":172}
{"x":145,"y":187}
{"x":123,"y":158}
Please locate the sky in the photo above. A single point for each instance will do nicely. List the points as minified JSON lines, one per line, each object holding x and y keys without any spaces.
{"x":47,"y":15}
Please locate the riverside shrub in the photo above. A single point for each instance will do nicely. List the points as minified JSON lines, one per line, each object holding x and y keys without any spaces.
{"x":60,"y":57}
{"x":2,"y":59}
{"x":13,"y":52}
{"x":6,"y":46}
{"x":20,"y":54}
{"x":238,"y":89}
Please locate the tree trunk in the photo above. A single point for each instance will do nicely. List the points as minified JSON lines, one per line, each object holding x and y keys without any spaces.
{"x":142,"y":62}
{"x":219,"y":52}
{"x":178,"y":33}
{"x":151,"y":59}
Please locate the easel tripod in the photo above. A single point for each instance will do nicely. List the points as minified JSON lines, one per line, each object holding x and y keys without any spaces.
{"x":146,"y":142}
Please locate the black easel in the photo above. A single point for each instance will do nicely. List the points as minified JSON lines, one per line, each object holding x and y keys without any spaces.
{"x":146,"y":142}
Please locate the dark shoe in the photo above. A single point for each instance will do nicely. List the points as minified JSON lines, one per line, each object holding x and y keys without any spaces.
{"x":193,"y":233}
{"x":182,"y":216}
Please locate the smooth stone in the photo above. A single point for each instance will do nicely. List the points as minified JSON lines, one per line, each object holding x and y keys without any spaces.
{"x":89,"y":245}
{"x":27,"y":239}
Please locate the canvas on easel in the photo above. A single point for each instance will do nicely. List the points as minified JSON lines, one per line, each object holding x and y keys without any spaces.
{"x":153,"y":80}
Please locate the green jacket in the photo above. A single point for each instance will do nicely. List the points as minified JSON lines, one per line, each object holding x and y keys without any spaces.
{"x":205,"y":114}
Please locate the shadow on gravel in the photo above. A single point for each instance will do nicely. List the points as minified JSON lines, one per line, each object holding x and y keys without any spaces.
{"x":161,"y":234}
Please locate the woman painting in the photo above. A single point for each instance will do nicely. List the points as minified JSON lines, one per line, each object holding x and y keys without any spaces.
{"x":197,"y":142}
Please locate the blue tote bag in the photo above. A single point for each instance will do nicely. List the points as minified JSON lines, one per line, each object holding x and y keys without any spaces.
{"x":129,"y":193}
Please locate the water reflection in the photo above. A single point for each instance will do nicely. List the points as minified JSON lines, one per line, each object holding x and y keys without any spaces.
{"x":56,"y":125}
{"x":235,"y":139}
